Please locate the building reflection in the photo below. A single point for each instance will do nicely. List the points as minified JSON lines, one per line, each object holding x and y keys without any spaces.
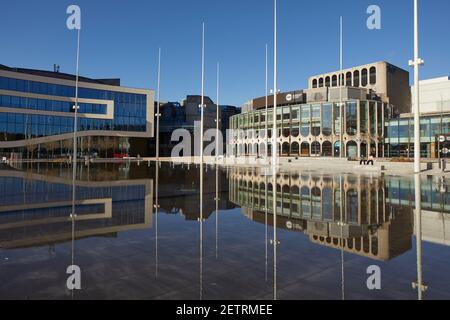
{"x":35,"y":209}
{"x":377,"y":213}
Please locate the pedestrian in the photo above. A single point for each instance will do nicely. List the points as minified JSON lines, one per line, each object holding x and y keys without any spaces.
{"x":371,"y":160}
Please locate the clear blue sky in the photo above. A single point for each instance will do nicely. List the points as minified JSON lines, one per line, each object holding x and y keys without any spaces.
{"x":120,"y":39}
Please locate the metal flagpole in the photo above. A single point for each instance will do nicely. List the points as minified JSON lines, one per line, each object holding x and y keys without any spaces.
{"x":267,"y":105}
{"x":217,"y":164}
{"x":158,"y":115}
{"x":274,"y":158}
{"x":201,"y":161}
{"x":341,"y":79}
{"x":217,"y":112}
{"x":202,"y":103}
{"x":416,"y":63}
{"x":274,"y":133}
{"x":156,"y":216}
{"x":75,"y":150}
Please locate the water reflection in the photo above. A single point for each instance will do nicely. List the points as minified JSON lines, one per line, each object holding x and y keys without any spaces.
{"x":36,"y":209}
{"x":363,"y":215}
{"x":185,"y":234}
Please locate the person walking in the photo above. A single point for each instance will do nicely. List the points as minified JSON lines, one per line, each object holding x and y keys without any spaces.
{"x":371,"y":160}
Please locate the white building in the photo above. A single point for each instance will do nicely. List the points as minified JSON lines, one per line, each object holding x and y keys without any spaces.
{"x":434,"y":95}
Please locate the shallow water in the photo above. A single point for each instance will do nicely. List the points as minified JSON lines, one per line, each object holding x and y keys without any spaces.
{"x":143,"y":232}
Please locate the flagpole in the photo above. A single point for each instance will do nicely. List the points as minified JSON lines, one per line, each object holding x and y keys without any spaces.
{"x":217,"y":113}
{"x":203,"y":93}
{"x":341,"y":80}
{"x":274,"y":158}
{"x":267,"y":105}
{"x":274,"y":133}
{"x":416,"y":63}
{"x":75,"y":151}
{"x":158,"y":115}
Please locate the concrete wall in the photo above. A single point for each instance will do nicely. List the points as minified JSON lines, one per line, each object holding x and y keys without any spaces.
{"x":434,"y":95}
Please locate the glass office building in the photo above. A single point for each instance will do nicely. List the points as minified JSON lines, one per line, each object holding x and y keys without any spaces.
{"x":400,"y":136}
{"x":37,"y":115}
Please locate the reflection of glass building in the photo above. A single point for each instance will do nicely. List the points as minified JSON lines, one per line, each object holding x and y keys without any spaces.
{"x":377,"y":117}
{"x":37,"y":115}
{"x":35,"y":209}
{"x":377,"y":215}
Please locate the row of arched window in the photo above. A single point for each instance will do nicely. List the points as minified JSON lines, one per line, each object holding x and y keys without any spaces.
{"x":356,"y":78}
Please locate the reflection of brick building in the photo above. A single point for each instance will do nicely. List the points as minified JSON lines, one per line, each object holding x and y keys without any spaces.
{"x":370,"y":226}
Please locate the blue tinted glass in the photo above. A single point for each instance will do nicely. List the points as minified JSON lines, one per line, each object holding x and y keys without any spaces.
{"x":12,"y":84}
{"x":4,"y":83}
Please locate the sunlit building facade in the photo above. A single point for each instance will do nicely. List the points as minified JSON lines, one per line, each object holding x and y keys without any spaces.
{"x":309,"y":121}
{"x":37,"y":115}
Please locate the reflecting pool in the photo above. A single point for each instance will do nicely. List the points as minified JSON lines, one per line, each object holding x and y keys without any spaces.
{"x":147,"y":231}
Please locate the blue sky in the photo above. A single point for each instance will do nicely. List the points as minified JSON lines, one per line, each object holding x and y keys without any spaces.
{"x":121,"y":39}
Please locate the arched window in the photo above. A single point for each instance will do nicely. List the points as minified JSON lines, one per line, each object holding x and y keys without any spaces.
{"x":321,"y":83}
{"x":352,"y":118}
{"x":334,"y":81}
{"x":327,"y":149}
{"x":364,"y":77}
{"x":348,"y":79}
{"x":295,"y":149}
{"x":315,"y":149}
{"x":262,"y":149}
{"x":327,"y":81}
{"x":286,"y":149}
{"x":352,"y":149}
{"x":305,"y":149}
{"x":356,"y":78}
{"x":337,"y":149}
{"x":314,"y":83}
{"x":373,"y":75}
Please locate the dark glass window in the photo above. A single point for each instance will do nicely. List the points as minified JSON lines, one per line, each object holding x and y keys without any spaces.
{"x":364,"y":77}
{"x":334,"y":81}
{"x":356,"y":78}
{"x":373,"y":75}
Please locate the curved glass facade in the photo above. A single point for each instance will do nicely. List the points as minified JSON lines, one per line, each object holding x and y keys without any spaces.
{"x":37,"y":116}
{"x":130,"y":109}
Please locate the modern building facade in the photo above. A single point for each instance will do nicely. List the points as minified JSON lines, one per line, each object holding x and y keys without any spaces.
{"x":309,"y":121}
{"x":434,"y":127}
{"x":37,"y":115}
{"x":186,"y":115}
